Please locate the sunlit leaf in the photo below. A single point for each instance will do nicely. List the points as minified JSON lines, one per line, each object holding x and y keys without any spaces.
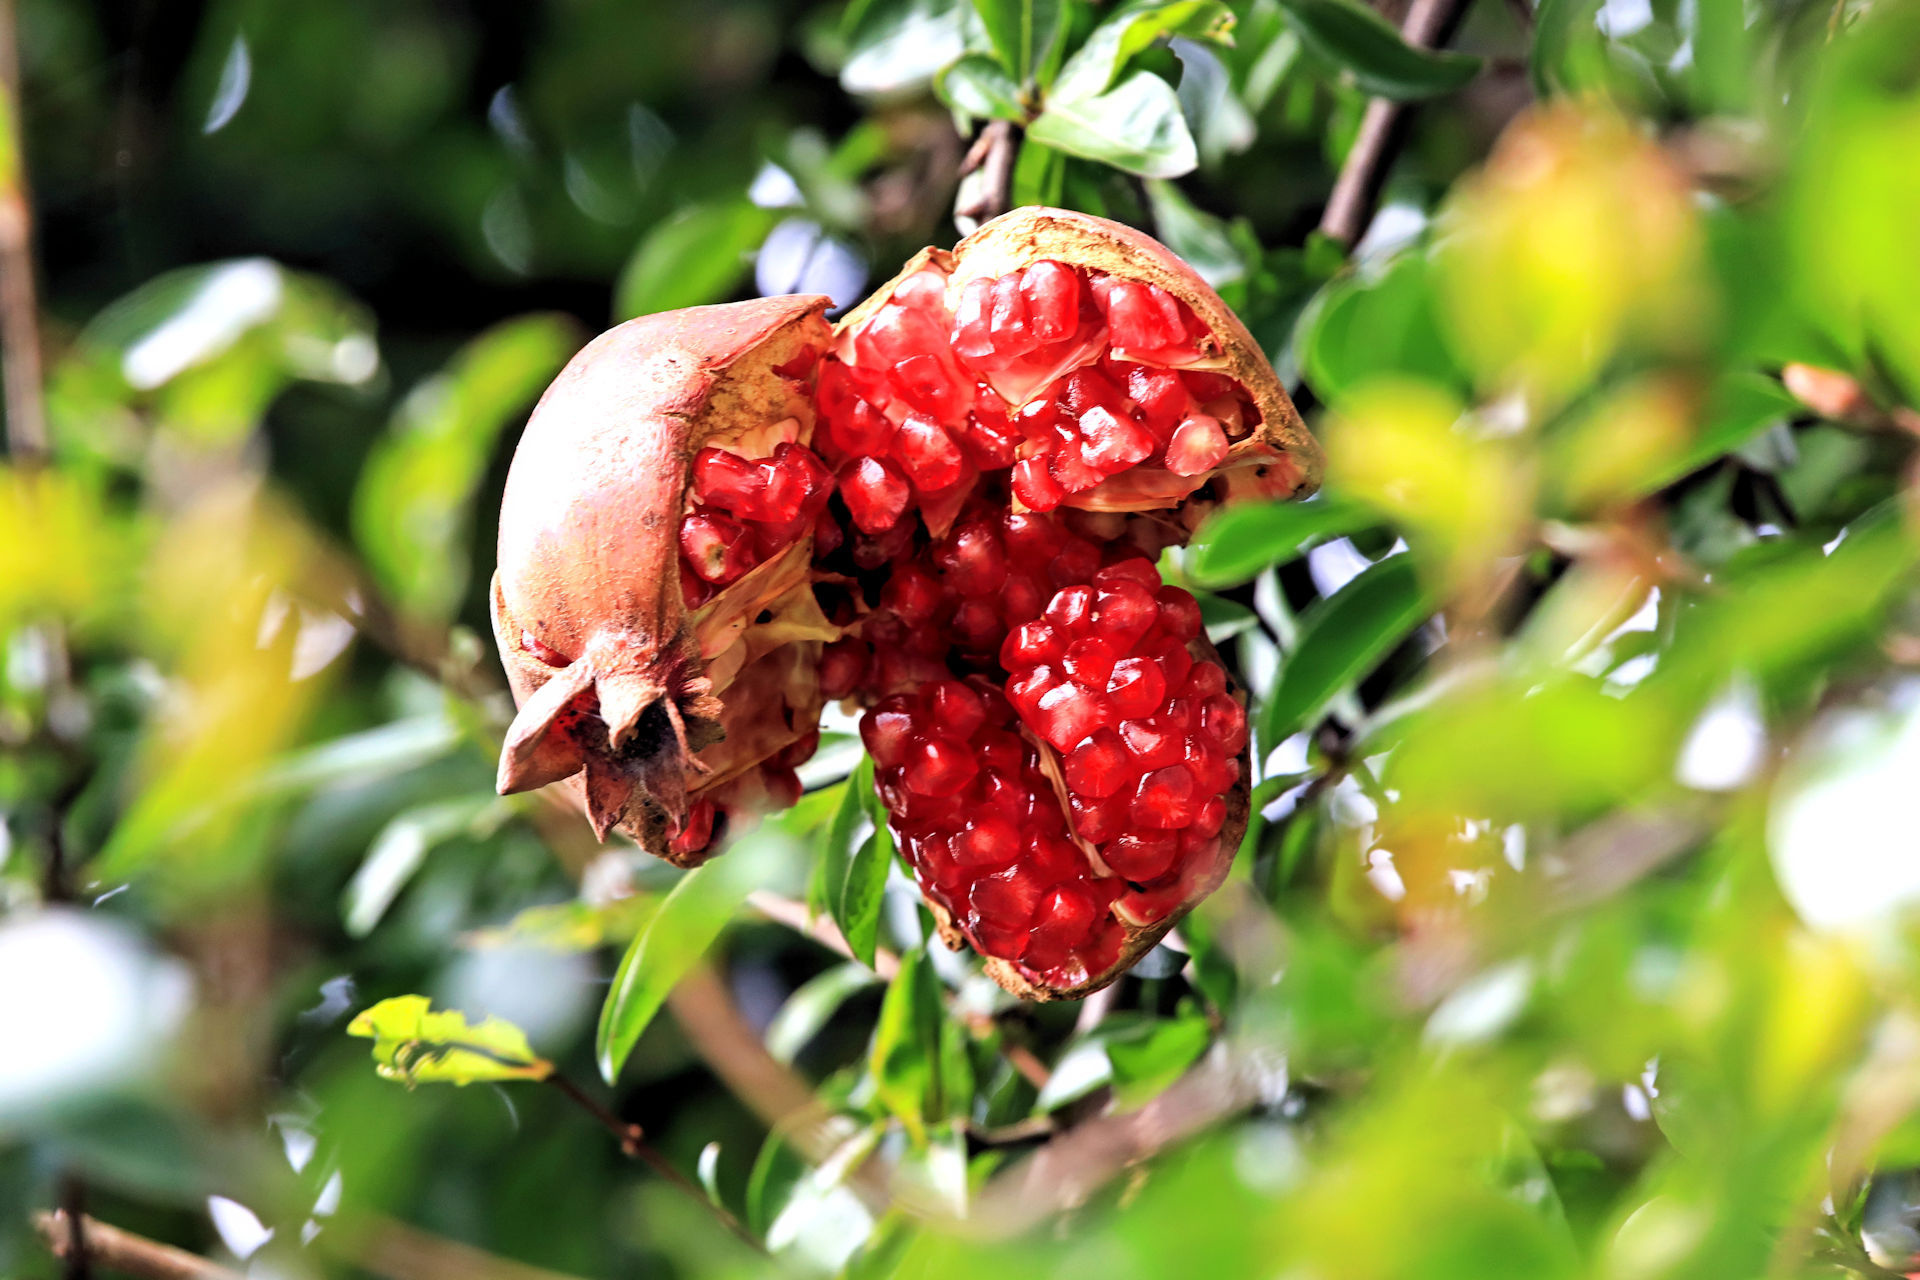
{"x":400,"y":848}
{"x":1023,"y":32}
{"x":1127,"y":31}
{"x":698,"y":255}
{"x":904,"y":1056}
{"x":980,"y":87}
{"x":1241,"y":541}
{"x":675,"y":938}
{"x":901,"y":44}
{"x":1154,"y":1054}
{"x":414,"y":1045}
{"x":1136,"y":126}
{"x":811,"y":1006}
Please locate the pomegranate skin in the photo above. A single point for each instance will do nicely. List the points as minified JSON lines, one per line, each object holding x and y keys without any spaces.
{"x":609,"y":668}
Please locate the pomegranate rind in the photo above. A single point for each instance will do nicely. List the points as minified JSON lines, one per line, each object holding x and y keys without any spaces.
{"x":1279,"y":459}
{"x":588,"y":566}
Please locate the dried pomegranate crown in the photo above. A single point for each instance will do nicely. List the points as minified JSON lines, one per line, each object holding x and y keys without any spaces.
{"x":946,"y":510}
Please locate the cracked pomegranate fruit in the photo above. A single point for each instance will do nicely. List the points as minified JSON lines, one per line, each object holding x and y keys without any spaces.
{"x":946,"y":510}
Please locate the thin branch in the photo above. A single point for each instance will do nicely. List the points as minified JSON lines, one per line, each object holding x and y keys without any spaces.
{"x":1382,"y":131}
{"x":397,"y":1251}
{"x":19,"y":308}
{"x":118,"y":1250}
{"x":986,"y":176}
{"x":633,"y":1141}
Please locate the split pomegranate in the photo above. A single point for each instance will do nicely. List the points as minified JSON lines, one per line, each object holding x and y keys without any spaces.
{"x":948,"y":511}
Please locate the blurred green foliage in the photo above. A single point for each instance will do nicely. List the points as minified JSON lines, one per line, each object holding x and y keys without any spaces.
{"x":1573,"y":935}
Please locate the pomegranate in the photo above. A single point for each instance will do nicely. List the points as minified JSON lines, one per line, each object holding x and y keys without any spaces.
{"x":947,"y":511}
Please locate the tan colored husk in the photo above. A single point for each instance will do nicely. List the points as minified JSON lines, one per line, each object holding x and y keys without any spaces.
{"x":589,"y":567}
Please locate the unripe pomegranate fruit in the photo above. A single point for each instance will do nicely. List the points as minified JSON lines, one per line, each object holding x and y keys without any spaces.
{"x":947,"y":510}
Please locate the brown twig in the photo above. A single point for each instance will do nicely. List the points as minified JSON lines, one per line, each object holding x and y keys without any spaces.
{"x":1382,"y":130}
{"x":118,"y":1250}
{"x":986,"y":176}
{"x":633,"y":1142}
{"x":19,"y":309}
{"x":397,"y":1251}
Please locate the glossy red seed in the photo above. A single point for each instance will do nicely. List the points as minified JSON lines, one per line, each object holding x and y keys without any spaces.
{"x":1126,"y":612}
{"x":971,"y":335}
{"x":1129,"y":569}
{"x":1165,"y":798}
{"x":1099,"y":766}
{"x":716,"y":548}
{"x":730,"y":483}
{"x":1112,"y":442}
{"x":1074,"y":563}
{"x":1087,"y":387}
{"x":1006,"y":899}
{"x":1068,"y":466}
{"x":697,"y":831}
{"x":1137,"y":688}
{"x":1171,"y":327}
{"x":954,"y":709}
{"x":1150,"y":906}
{"x":876,"y":494}
{"x":1021,"y":599}
{"x":1007,"y":319}
{"x":1029,"y":645}
{"x":1053,"y":300}
{"x":1162,"y":397}
{"x":1199,"y":444}
{"x":1089,"y":662}
{"x":1179,"y":614}
{"x":972,"y":560}
{"x":1026,"y":689}
{"x":1132,"y":319}
{"x":913,"y":594}
{"x":1034,"y":486}
{"x":1151,"y":745}
{"x":1036,"y":419}
{"x":1225,"y":721}
{"x":1141,"y":856}
{"x":927,"y":453}
{"x":886,"y":731}
{"x":1205,"y":680}
{"x":986,"y":844}
{"x":1097,"y":820}
{"x":843,"y":665}
{"x":1067,"y":713}
{"x":1209,"y":817}
{"x":1071,"y":609}
{"x":1031,"y":538}
{"x":1065,"y":917}
{"x":938,"y":767}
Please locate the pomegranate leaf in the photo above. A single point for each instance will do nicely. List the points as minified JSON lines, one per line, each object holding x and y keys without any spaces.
{"x":1367,"y":47}
{"x":1024,"y":33}
{"x":676,"y":936}
{"x":414,"y":1045}
{"x":1238,"y":543}
{"x":1342,"y":638}
{"x":1130,"y":31}
{"x":1136,"y":126}
{"x":696,"y":256}
{"x":904,"y":1057}
{"x":810,"y":1008}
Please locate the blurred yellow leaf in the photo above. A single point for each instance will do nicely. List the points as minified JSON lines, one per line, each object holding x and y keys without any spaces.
{"x":60,"y":549}
{"x":1577,"y":228}
{"x":1610,"y":448}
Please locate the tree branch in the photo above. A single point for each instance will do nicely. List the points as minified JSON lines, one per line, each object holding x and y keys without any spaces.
{"x":118,"y":1250}
{"x":986,"y":177}
{"x":1382,"y":131}
{"x":19,"y":308}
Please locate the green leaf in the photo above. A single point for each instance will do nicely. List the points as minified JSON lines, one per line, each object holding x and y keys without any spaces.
{"x":697,"y":256}
{"x":898,"y":45}
{"x":1202,"y":241}
{"x":676,"y":936}
{"x":980,"y":86}
{"x":1130,"y":30}
{"x":904,"y":1055}
{"x":1224,"y":618}
{"x":1743,"y":405}
{"x":858,"y":908}
{"x":412,"y":510}
{"x":414,"y":1045}
{"x":400,"y":848}
{"x":1136,"y":127}
{"x":811,"y":1007}
{"x":834,"y":852}
{"x":1022,"y":32}
{"x":1363,"y":324}
{"x":1235,"y":545}
{"x":1153,"y":1055}
{"x":1341,"y":640}
{"x":1367,"y":47}
{"x":1039,"y":173}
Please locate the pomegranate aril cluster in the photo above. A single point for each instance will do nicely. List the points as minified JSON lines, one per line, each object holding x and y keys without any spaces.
{"x":1149,"y":736}
{"x":1063,"y":377}
{"x":744,"y":511}
{"x":981,"y":826}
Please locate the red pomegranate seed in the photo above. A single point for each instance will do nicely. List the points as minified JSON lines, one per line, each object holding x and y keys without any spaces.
{"x":1198,"y":445}
{"x":1150,"y":906}
{"x":977,"y":626}
{"x":886,"y":731}
{"x":1225,"y":721}
{"x":1165,"y":798}
{"x":1074,"y":563}
{"x":1151,"y":744}
{"x":861,"y":430}
{"x":1068,"y":713}
{"x":843,"y":665}
{"x":876,"y":494}
{"x":1097,"y":820}
{"x":692,"y":589}
{"x":1129,"y":569}
{"x":1031,"y":538}
{"x":1137,"y":688}
{"x":972,"y":559}
{"x":545,"y":653}
{"x":731,"y":483}
{"x":1053,"y":300}
{"x":1006,"y":900}
{"x":1209,"y":817}
{"x":1099,"y":767}
{"x":1070,"y":469}
{"x":926,"y":384}
{"x":1162,"y":397}
{"x":927,"y":452}
{"x":716,"y":548}
{"x":1205,"y":680}
{"x":1035,"y":488}
{"x":1021,"y":599}
{"x":1084,"y":388}
{"x":1126,"y":610}
{"x":1025,"y":690}
{"x":955,"y":708}
{"x":1007,"y":320}
{"x":1174,"y":663}
{"x":1029,"y":645}
{"x":697,"y":832}
{"x":1207,"y":385}
{"x":913,"y":594}
{"x":1179,"y":613}
{"x":1171,"y":330}
{"x":1090,"y":663}
{"x":986,"y":844}
{"x":1071,"y":609}
{"x":971,"y":336}
{"x":1113,"y":443}
{"x":1065,"y":918}
{"x":1036,"y":420}
{"x":1141,"y":856}
{"x":938,"y":767}
{"x":1132,"y":319}
{"x":789,"y":483}
{"x":1053,"y":858}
